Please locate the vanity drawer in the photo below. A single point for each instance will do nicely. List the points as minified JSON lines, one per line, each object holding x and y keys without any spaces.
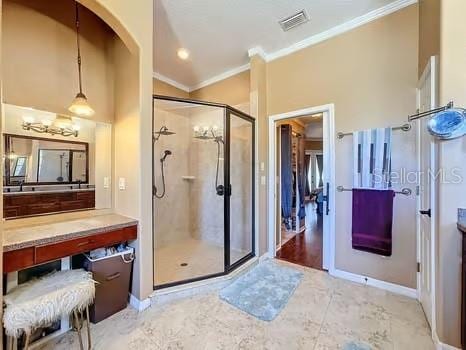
{"x":41,"y":208}
{"x":54,"y":251}
{"x":73,"y":205}
{"x":86,"y":195}
{"x":18,"y":259}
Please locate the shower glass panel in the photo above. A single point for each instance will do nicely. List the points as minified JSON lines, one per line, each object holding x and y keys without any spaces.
{"x":188,"y":211}
{"x":241,"y":180}
{"x":203,"y":195}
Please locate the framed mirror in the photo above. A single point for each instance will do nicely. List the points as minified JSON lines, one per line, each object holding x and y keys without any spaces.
{"x":34,"y":160}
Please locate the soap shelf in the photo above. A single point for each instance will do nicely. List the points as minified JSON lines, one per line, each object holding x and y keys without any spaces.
{"x":188,"y":178}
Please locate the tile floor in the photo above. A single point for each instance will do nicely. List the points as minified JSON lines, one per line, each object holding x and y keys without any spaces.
{"x":323,"y":313}
{"x":201,"y":258}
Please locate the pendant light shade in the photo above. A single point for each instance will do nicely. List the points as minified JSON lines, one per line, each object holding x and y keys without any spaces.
{"x":80,"y":106}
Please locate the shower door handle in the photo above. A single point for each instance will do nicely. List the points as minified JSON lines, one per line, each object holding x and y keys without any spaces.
{"x":223,"y":190}
{"x":220,"y":189}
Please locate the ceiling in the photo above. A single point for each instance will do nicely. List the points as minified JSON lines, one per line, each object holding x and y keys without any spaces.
{"x":219,"y":33}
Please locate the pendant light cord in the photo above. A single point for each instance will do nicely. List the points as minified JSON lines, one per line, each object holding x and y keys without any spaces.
{"x":79,"y":48}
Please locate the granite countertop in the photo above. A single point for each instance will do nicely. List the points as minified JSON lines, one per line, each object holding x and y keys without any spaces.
{"x":462,"y":220}
{"x":6,"y":194}
{"x":29,"y":236}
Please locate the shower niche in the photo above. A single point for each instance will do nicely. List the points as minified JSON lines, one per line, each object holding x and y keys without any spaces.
{"x":203,"y":190}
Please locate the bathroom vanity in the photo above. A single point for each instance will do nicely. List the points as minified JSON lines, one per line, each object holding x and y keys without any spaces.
{"x":32,"y":245}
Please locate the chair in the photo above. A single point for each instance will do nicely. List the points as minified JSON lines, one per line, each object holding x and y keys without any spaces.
{"x":45,"y":300}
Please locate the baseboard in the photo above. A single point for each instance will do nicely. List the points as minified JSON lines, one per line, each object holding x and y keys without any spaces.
{"x":137,"y":304}
{"x":369,"y":281}
{"x":441,"y":346}
{"x":265,"y":256}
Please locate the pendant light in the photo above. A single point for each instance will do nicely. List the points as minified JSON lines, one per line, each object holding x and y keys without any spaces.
{"x":80,"y":106}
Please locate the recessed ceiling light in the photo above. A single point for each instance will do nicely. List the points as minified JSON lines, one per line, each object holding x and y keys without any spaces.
{"x":183,"y":54}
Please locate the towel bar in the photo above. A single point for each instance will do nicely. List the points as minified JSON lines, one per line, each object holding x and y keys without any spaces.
{"x":404,"y":191}
{"x":404,"y":127}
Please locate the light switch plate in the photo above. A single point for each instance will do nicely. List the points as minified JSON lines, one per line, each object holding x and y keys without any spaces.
{"x":122,"y":183}
{"x":106,"y":182}
{"x":262,"y":166}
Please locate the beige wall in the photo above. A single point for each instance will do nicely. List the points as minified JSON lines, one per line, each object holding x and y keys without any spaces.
{"x":429,"y":31}
{"x":452,"y":155}
{"x":232,"y":91}
{"x":162,"y":88}
{"x":133,"y":22}
{"x":258,"y":106}
{"x":39,"y":55}
{"x":370,"y":74}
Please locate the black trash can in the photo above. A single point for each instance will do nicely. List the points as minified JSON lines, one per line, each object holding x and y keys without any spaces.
{"x":112,"y":274}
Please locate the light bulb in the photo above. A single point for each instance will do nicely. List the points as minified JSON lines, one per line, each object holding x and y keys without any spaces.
{"x":29,"y":119}
{"x":215,"y":128}
{"x":196,"y":128}
{"x":76,"y":127}
{"x":183,"y":54}
{"x":46,"y":122}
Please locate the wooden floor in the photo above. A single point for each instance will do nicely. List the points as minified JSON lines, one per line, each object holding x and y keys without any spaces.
{"x":305,"y":248}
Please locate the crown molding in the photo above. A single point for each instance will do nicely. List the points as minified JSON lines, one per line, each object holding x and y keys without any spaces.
{"x":171,"y":82}
{"x":220,"y":77}
{"x":257,"y":51}
{"x":341,"y":28}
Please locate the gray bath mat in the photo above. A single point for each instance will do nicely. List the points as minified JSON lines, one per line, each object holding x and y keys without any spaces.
{"x":264,"y":291}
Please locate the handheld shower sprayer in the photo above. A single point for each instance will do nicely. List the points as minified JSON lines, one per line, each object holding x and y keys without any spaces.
{"x":166,"y":153}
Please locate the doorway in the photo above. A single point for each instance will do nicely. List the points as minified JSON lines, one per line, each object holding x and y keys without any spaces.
{"x":426,"y":200}
{"x":301,"y":178}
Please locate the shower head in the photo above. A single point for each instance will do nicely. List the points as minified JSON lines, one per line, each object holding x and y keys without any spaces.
{"x":166,"y":153}
{"x":163,"y":131}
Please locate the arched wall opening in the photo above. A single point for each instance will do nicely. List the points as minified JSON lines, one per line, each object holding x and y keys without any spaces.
{"x":42,"y":73}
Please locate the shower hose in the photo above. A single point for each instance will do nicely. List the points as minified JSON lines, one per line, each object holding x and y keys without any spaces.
{"x":163,"y":183}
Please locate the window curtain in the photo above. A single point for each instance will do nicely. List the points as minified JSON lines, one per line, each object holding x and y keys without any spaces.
{"x":320,"y":168}
{"x":286,"y":174}
{"x":307,"y":163}
{"x":301,"y":178}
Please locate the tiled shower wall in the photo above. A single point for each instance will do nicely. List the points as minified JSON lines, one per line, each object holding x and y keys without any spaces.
{"x":191,"y":207}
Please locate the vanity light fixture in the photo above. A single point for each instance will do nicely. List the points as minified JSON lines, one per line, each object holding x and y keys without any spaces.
{"x":63,"y":127}
{"x":80,"y":106}
{"x":208,"y":132}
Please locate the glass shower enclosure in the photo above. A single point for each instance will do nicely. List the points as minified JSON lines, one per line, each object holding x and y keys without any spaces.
{"x":203,"y":190}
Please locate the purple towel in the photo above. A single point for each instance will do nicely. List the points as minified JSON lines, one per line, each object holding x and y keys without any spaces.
{"x":372,"y":221}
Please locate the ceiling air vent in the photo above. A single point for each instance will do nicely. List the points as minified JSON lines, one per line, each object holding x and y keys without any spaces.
{"x":295,"y":20}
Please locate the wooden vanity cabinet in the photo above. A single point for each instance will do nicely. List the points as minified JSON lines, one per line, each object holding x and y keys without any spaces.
{"x":42,"y":203}
{"x":26,"y":257}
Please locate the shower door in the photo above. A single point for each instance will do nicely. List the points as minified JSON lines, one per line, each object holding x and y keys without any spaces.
{"x":203,"y":203}
{"x":241,"y":179}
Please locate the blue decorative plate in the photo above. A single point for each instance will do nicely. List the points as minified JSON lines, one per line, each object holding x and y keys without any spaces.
{"x":448,"y":124}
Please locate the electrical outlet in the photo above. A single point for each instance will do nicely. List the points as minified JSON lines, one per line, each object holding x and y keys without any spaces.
{"x":122,"y":183}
